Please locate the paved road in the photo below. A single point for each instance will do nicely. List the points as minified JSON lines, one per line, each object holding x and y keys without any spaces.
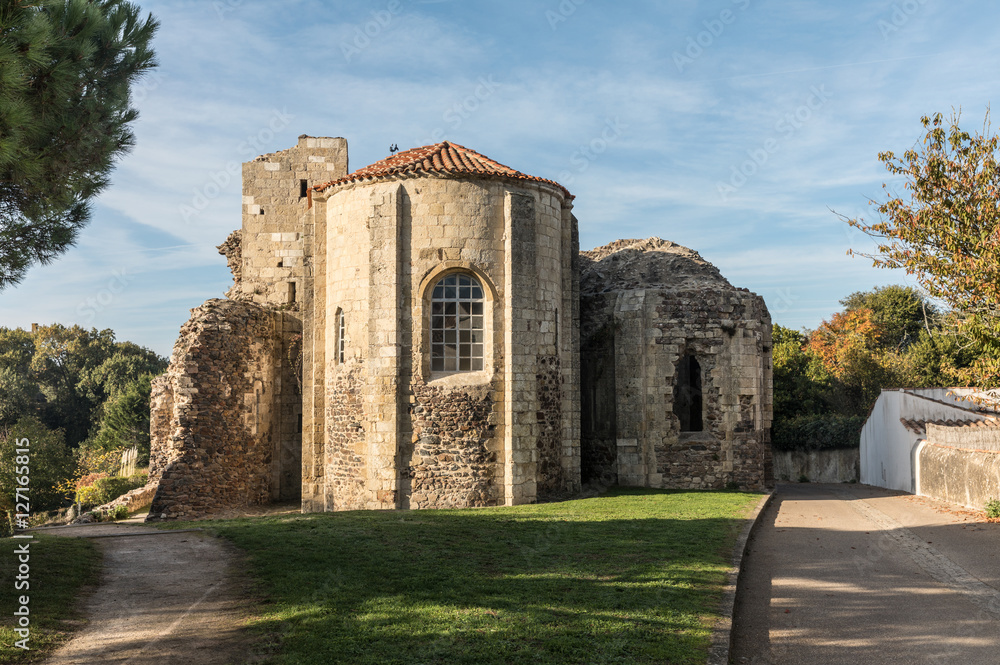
{"x":853,"y":574}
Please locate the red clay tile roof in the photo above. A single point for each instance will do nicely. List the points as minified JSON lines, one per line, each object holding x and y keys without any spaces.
{"x":442,"y":158}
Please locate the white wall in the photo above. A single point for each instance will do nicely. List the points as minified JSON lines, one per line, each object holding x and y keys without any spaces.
{"x":887,"y":448}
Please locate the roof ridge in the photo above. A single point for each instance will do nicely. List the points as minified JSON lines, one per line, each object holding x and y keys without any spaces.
{"x":445,"y":157}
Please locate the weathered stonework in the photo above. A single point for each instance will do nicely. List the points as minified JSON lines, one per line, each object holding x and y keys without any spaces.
{"x":647,"y":305}
{"x":452,"y":464}
{"x":960,"y":463}
{"x":216,"y":413}
{"x":323,"y":377}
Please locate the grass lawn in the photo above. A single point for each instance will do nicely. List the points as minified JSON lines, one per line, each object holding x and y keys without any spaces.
{"x":630,"y":577}
{"x":59,"y":567}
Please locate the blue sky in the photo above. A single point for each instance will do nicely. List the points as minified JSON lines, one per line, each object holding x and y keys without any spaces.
{"x":733,"y":127}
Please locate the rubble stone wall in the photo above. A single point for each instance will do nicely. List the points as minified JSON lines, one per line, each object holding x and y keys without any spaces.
{"x":452,"y":464}
{"x":217,"y":412}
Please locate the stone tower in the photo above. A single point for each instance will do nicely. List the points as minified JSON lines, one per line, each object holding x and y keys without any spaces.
{"x":441,"y":353}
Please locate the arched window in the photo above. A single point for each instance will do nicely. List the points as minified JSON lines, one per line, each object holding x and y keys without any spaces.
{"x":687,"y":394}
{"x":457,"y":333}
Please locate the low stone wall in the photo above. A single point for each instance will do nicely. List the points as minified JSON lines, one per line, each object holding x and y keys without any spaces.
{"x":216,"y":413}
{"x":132,"y":500}
{"x":960,"y":475}
{"x":819,"y":466}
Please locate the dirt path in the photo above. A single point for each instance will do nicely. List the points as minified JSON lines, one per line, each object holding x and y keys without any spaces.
{"x":165,"y":597}
{"x":853,"y":574}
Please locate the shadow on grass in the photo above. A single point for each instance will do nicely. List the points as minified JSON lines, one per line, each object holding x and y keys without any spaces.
{"x":632,"y":578}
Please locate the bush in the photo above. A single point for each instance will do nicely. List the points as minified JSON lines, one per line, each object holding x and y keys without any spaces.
{"x":108,"y":489}
{"x":993,"y":509}
{"x":818,"y":432}
{"x":112,"y":515}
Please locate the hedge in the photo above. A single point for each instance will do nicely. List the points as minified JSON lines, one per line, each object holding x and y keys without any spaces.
{"x":818,"y":432}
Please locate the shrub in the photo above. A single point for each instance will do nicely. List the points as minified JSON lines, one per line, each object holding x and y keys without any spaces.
{"x":108,"y":489}
{"x":993,"y":508}
{"x":818,"y":432}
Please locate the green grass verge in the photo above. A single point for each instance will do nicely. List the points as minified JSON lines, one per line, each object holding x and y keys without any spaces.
{"x":630,"y":577}
{"x":59,"y":567}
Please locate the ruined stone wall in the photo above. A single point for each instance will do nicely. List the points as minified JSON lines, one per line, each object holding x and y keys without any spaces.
{"x":640,"y":335}
{"x":216,"y":413}
{"x":729,"y":334}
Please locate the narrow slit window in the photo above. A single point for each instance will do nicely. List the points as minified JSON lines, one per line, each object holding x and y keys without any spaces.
{"x":303,"y":188}
{"x":456,"y":325}
{"x":341,"y":336}
{"x":291,"y":292}
{"x":688,"y":395}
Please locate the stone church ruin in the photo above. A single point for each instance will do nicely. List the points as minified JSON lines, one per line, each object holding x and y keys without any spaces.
{"x":425,"y":333}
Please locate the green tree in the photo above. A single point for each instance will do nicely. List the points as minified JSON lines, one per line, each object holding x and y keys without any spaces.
{"x":124,"y":418}
{"x":50,"y":462}
{"x":66,"y":70}
{"x":945,"y":229}
{"x":899,"y":313}
{"x":119,"y":371}
{"x":801,"y":384}
{"x":63,"y":357}
{"x":64,"y":374}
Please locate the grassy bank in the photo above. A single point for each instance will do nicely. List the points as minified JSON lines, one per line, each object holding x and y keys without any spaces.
{"x":633,"y":577}
{"x":59,"y":567}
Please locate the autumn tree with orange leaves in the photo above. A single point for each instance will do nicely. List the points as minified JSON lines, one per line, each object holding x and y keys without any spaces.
{"x":945,"y":230}
{"x":849,"y":347}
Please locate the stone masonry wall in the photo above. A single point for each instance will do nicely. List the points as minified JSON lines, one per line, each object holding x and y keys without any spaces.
{"x":424,"y":438}
{"x":345,"y":454}
{"x":598,"y":402}
{"x":552,"y":477}
{"x":275,"y":198}
{"x":451,"y":465}
{"x":729,"y":334}
{"x":645,"y":305}
{"x":216,"y":412}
